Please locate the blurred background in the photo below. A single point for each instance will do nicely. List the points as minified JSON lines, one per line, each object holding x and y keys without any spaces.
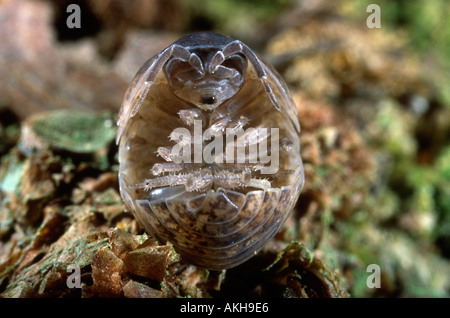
{"x":374,"y":106}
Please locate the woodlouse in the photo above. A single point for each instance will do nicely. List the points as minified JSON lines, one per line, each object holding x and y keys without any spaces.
{"x":193,"y":132}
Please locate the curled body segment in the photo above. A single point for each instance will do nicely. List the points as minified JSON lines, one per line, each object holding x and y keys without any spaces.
{"x":204,"y":162}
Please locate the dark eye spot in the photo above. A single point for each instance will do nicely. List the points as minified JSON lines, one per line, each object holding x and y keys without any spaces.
{"x":208,"y":100}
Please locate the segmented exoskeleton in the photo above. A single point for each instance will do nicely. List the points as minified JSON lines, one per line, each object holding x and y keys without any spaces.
{"x":209,"y":150}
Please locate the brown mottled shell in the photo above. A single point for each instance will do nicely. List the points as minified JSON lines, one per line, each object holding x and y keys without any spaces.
{"x":240,"y":209}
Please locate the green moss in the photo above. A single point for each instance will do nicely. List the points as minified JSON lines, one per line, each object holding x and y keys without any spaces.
{"x":443,"y":164}
{"x":236,"y":17}
{"x":75,"y":131}
{"x":11,"y":174}
{"x":360,"y":289}
{"x":442,"y":197}
{"x":394,"y":129}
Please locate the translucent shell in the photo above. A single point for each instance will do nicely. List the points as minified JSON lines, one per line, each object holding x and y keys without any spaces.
{"x":218,"y":208}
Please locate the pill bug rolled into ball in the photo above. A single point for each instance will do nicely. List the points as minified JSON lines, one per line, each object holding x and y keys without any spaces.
{"x":209,"y":154}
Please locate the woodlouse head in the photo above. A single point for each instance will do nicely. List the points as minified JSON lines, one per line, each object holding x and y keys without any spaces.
{"x":202,"y":75}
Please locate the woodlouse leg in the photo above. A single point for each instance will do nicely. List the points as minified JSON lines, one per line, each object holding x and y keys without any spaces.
{"x":199,"y":180}
{"x":250,"y":139}
{"x":229,"y":180}
{"x":221,"y":124}
{"x":195,"y":181}
{"x":161,"y":168}
{"x":204,"y":179}
{"x":168,"y":154}
{"x":230,"y":126}
{"x":250,"y":166}
{"x":165,"y":153}
{"x":189,"y":115}
{"x":181,"y":138}
{"x":239,"y":47}
{"x":237,"y":125}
